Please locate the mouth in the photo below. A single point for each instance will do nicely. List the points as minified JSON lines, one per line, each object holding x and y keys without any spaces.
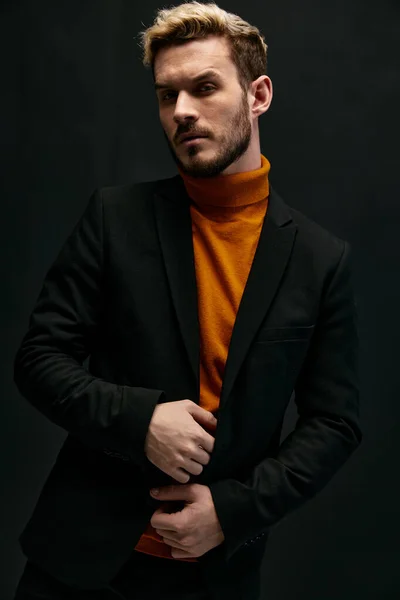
{"x":193,"y":139}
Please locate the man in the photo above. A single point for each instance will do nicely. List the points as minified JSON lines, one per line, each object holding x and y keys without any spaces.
{"x":199,"y":295}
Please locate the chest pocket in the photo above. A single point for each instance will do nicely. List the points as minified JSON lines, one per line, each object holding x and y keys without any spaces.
{"x":285,"y":334}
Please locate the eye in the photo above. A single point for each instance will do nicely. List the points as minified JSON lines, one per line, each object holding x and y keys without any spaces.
{"x":211,"y":87}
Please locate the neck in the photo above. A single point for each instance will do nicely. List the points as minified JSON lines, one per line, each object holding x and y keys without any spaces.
{"x":229,"y":190}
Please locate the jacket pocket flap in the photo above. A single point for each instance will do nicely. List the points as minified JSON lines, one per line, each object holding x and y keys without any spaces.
{"x":272,"y":334}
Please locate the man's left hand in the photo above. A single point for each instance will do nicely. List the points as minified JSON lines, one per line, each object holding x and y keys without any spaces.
{"x":195,"y":529}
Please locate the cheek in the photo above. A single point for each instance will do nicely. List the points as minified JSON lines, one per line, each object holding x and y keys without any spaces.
{"x":166,"y":123}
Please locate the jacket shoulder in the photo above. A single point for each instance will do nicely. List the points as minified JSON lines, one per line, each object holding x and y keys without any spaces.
{"x":313,"y":235}
{"x":120,"y":194}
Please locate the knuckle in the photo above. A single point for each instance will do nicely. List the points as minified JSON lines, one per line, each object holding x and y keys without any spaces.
{"x":186,"y":450}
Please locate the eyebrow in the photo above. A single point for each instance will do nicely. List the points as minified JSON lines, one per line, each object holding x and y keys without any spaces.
{"x":205,"y":75}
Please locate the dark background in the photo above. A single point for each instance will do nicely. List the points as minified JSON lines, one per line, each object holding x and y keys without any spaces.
{"x":79,"y":112}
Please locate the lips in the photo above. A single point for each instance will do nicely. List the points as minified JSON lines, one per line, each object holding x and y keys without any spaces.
{"x":192,"y":137}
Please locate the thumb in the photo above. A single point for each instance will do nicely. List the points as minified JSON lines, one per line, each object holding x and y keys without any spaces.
{"x":171,"y":492}
{"x":204,"y":415}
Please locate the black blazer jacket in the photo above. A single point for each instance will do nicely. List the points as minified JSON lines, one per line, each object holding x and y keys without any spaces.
{"x":122,"y":294}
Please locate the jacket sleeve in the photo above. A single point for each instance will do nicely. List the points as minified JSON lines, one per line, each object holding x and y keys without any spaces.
{"x":326,"y":433}
{"x":48,"y":366}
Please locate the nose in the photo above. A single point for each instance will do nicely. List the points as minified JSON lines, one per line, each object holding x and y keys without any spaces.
{"x":184,"y":109}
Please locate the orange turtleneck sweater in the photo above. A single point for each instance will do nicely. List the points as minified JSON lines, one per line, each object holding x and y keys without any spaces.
{"x":227,"y":213}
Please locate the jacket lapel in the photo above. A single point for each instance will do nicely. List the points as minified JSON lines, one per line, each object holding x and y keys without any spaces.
{"x":174,"y":225}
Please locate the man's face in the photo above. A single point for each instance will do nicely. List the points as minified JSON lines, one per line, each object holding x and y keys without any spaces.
{"x":215,"y":107}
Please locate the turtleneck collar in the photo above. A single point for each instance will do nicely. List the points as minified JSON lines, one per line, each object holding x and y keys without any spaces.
{"x":233,"y":190}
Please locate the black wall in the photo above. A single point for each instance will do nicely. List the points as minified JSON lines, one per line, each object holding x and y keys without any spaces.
{"x":79,"y":112}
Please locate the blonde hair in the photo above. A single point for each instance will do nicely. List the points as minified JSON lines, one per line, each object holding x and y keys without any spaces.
{"x":194,"y":20}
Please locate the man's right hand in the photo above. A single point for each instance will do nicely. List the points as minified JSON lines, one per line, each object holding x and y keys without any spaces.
{"x":174,"y":438}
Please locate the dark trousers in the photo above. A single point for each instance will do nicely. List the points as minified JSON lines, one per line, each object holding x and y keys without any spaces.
{"x":143,"y":577}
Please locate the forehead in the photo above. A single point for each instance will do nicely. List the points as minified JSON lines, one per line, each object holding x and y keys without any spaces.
{"x":187,"y":60}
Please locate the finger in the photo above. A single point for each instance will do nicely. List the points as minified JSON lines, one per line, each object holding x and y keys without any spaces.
{"x":160,"y":520}
{"x":165,"y":532}
{"x":175,"y":553}
{"x":175,"y":544}
{"x":171,"y":535}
